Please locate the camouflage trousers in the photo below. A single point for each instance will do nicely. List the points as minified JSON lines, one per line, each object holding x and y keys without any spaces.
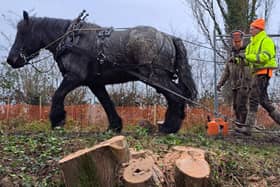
{"x":258,"y":94}
{"x":240,"y":102}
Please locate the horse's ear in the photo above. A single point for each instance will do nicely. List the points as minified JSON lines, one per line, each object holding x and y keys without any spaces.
{"x":25,"y":16}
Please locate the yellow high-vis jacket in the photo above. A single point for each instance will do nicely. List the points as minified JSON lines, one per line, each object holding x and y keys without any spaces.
{"x":260,"y":52}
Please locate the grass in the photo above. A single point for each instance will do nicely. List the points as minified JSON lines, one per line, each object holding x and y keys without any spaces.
{"x":30,"y":152}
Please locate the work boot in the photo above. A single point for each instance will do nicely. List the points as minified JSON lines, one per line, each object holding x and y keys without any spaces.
{"x":275,"y":115}
{"x":249,"y":123}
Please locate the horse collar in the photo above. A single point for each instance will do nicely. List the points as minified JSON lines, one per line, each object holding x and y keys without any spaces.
{"x":70,"y":39}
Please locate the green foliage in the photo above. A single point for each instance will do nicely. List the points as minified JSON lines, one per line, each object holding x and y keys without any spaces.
{"x":30,"y":157}
{"x":35,"y":126}
{"x":197,"y":129}
{"x":24,"y":154}
{"x":138,"y":146}
{"x":8,"y":78}
{"x":141,"y":131}
{"x":106,"y":135}
{"x":170,"y":140}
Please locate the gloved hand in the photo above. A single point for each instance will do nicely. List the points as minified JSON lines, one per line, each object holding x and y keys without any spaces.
{"x":231,"y":59}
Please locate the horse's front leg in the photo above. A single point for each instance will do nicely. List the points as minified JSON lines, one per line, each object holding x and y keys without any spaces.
{"x":115,"y":122}
{"x":57,"y":113}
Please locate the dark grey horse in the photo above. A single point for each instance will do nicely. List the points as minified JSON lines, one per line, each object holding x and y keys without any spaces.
{"x":89,"y":55}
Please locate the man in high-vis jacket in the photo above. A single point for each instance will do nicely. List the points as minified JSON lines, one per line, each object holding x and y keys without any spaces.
{"x":238,"y":75}
{"x":260,"y":55}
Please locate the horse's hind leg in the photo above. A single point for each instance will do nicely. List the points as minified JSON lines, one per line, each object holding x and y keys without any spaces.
{"x":174,"y":115}
{"x":57,"y":113}
{"x":115,"y":122}
{"x":175,"y":111}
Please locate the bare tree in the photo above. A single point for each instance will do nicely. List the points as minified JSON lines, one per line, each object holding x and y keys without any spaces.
{"x":222,"y":17}
{"x":227,"y":15}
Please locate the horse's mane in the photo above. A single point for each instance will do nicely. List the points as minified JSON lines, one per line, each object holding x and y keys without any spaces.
{"x":54,"y":25}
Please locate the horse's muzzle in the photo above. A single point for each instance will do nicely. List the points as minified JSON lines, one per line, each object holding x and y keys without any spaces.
{"x":16,"y":62}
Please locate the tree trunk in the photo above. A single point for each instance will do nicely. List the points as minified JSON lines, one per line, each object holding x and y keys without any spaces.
{"x":96,"y":166}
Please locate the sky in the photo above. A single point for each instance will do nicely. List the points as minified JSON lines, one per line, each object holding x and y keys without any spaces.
{"x":171,"y":16}
{"x":118,"y":13}
{"x":166,"y":15}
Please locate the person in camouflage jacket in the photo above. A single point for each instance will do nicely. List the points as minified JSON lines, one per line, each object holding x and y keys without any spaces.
{"x":239,"y":76}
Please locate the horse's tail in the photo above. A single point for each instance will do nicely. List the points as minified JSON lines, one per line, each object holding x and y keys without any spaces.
{"x":186,"y":81}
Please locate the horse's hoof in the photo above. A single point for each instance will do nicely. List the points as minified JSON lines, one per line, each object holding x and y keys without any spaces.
{"x":57,"y":128}
{"x":115,"y":129}
{"x":59,"y":125}
{"x":165,"y":130}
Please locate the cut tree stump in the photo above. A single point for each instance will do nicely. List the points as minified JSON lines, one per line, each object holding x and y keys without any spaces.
{"x":112,"y":163}
{"x":96,"y":166}
{"x":142,"y":171}
{"x":191,"y":169}
{"x":186,"y":166}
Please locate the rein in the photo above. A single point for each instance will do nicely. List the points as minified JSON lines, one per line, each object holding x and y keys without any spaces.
{"x":37,"y":61}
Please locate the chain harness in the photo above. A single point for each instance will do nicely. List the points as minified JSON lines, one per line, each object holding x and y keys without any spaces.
{"x":73,"y":36}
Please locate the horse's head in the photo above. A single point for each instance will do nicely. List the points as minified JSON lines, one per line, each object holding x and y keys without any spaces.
{"x":26,"y":45}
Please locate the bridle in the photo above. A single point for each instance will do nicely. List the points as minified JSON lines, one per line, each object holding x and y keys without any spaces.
{"x":26,"y":60}
{"x":25,"y":57}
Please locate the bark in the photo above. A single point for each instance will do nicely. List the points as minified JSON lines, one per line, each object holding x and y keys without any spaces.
{"x":96,"y":166}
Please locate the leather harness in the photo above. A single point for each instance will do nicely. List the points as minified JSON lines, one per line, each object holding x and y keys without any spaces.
{"x":70,"y":43}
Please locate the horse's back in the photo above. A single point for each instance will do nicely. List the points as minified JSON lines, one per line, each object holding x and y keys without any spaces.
{"x":149,"y":45}
{"x":138,"y":45}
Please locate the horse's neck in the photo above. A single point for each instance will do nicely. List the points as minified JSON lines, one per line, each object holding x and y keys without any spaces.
{"x":52,"y":30}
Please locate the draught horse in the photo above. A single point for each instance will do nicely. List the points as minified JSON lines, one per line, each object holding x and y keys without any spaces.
{"x":93,"y":56}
